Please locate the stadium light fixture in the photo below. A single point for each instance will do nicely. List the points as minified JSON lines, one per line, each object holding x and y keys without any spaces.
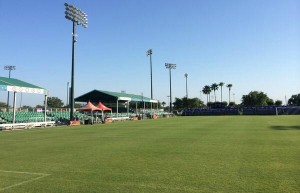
{"x":9,"y":68}
{"x":186,"y":90}
{"x":170,"y":67}
{"x":78,"y":17}
{"x":149,"y":53}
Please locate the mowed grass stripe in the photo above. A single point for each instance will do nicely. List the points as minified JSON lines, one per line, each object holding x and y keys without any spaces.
{"x":183,"y":154}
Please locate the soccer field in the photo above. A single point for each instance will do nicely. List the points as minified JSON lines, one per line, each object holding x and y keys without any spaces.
{"x":182,"y":154}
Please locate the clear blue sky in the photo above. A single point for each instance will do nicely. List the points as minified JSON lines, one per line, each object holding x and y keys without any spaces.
{"x":252,"y":44}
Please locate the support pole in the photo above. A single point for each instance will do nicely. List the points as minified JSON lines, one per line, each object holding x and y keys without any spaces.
{"x":72,"y":73}
{"x":127,"y":108}
{"x":117,"y":107}
{"x":45,"y":110}
{"x":14,"y":108}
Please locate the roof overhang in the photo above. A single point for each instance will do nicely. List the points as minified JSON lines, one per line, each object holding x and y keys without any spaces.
{"x":15,"y":85}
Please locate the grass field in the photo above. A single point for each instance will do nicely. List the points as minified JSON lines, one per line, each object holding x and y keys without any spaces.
{"x":183,"y":154}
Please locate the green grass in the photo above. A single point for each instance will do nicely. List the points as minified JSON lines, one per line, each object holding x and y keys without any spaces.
{"x":183,"y":154}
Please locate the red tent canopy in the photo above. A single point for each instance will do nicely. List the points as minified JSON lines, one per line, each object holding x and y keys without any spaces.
{"x":90,"y":107}
{"x":102,"y":107}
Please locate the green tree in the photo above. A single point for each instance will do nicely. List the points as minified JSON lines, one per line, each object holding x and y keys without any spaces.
{"x":27,"y":107}
{"x":214,"y":87}
{"x":183,"y":103}
{"x":194,"y":102}
{"x":178,"y":103}
{"x":229,"y":86}
{"x":278,"y":103}
{"x":39,"y":106}
{"x":221,"y":84}
{"x":206,"y":90}
{"x":232,"y":104}
{"x":163,"y":103}
{"x":270,"y":102}
{"x":2,"y":105}
{"x":54,"y":102}
{"x":294,"y":100}
{"x":255,"y":98}
{"x":224,"y":103}
{"x":77,"y":105}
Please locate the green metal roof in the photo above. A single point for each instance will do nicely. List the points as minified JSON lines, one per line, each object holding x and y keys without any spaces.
{"x":99,"y":95}
{"x":15,"y":85}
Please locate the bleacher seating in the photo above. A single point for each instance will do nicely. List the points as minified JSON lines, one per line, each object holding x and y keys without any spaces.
{"x":22,"y":117}
{"x":205,"y":112}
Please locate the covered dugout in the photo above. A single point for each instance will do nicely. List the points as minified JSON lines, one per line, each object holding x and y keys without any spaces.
{"x":19,"y":86}
{"x":105,"y":97}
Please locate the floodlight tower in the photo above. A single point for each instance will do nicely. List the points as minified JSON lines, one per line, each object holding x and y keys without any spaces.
{"x":186,"y":90}
{"x":9,"y":68}
{"x":77,"y":17}
{"x":170,"y":67}
{"x":149,"y":53}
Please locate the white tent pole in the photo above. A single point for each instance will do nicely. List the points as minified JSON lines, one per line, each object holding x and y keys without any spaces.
{"x":45,"y":110}
{"x":136,"y":111}
{"x":117,"y":107}
{"x":127,"y":108}
{"x":14,"y":108}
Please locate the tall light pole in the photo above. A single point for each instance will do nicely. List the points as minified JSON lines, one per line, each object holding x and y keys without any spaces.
{"x":186,"y":90}
{"x":9,"y":68}
{"x":77,"y":17}
{"x":170,"y":67}
{"x":149,"y":53}
{"x":169,"y":102}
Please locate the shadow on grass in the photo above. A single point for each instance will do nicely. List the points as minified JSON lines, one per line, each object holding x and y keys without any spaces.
{"x":291,"y":127}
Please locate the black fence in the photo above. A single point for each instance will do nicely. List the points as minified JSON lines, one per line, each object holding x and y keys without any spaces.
{"x":259,"y":110}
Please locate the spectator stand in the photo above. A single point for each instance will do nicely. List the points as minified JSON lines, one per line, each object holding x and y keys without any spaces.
{"x":116,"y":100}
{"x":19,"y":86}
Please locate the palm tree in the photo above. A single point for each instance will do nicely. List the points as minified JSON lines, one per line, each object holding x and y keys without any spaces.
{"x":206,"y":90}
{"x":229,"y":87}
{"x":221,"y":84}
{"x":214,"y":87}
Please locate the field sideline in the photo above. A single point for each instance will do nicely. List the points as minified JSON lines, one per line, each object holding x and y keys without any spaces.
{"x":182,"y":154}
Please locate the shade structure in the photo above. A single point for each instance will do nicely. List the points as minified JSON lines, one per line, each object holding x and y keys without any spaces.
{"x":109,"y":97}
{"x":103,"y":107}
{"x":19,"y":86}
{"x":89,"y":107}
{"x":16,"y":85}
{"x":114,"y":97}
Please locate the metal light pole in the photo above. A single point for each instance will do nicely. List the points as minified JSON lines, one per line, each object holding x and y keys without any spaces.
{"x":169,"y":102}
{"x":77,"y":17}
{"x":186,"y":90}
{"x":9,"y":68}
{"x":149,"y":53}
{"x":170,"y":66}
